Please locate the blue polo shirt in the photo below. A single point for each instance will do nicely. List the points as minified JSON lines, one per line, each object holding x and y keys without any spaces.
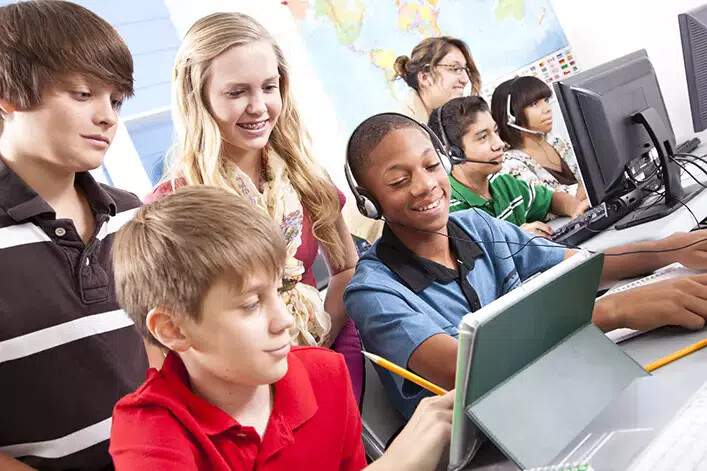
{"x":398,"y":299}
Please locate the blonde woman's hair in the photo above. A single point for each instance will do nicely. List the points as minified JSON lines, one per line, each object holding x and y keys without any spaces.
{"x":197,"y":154}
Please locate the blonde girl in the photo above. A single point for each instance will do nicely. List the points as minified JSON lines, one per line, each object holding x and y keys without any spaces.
{"x":238,"y":128}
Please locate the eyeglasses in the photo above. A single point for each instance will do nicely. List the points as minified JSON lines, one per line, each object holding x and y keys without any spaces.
{"x":456,"y":69}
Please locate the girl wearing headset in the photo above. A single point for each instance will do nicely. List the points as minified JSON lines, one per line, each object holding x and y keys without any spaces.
{"x":522,"y":110}
{"x":471,"y":139}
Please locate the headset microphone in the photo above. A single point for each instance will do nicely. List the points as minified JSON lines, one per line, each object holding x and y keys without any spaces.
{"x":460,"y":161}
{"x":521,"y":128}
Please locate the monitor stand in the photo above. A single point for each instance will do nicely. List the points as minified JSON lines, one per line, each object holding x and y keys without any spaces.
{"x":651,"y":211}
{"x":675,"y":195}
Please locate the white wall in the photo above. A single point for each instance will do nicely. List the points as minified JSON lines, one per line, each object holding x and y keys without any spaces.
{"x":601,"y":30}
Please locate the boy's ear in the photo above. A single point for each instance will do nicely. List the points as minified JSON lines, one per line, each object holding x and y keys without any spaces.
{"x":6,"y":107}
{"x":166,"y":328}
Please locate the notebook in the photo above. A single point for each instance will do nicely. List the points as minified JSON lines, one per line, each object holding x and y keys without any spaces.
{"x":518,"y":344}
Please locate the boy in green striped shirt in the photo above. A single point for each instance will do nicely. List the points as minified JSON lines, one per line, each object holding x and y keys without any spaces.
{"x":471,"y":133}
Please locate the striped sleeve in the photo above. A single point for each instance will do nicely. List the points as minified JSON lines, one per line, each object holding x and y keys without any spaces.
{"x":539,"y":205}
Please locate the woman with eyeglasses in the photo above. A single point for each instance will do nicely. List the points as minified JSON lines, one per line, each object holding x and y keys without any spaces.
{"x":438,"y":70}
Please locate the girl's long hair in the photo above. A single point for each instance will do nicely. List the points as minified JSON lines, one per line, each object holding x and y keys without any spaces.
{"x":197,"y":153}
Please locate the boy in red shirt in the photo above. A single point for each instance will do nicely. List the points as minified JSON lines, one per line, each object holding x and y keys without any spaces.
{"x":199,"y":272}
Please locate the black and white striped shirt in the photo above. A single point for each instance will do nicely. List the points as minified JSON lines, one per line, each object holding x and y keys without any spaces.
{"x":67,"y":351}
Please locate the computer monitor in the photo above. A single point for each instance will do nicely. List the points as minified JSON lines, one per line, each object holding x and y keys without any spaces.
{"x":693,"y":32}
{"x":617,"y":122}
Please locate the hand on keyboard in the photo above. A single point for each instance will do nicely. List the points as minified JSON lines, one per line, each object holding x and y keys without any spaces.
{"x":679,"y":301}
{"x":581,"y":208}
{"x":537,"y":228}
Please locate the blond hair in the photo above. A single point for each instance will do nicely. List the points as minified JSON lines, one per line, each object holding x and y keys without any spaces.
{"x":427,"y":54}
{"x":197,"y":155}
{"x":172,"y":252}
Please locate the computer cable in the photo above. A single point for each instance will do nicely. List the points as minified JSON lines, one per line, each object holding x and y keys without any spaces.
{"x":555,"y":245}
{"x":677,"y":162}
{"x":693,"y":162}
{"x":656,"y":168}
{"x":697,"y":222}
{"x":701,"y":158}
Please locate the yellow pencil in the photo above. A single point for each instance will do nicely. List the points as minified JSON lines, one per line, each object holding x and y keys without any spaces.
{"x":420,"y":381}
{"x":677,"y":355}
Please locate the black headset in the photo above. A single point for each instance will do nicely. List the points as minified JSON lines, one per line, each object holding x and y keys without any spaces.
{"x":365,"y":202}
{"x":512,"y":120}
{"x":456,"y":155}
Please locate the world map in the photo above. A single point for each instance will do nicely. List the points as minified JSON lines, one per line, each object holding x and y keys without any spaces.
{"x":353,"y":43}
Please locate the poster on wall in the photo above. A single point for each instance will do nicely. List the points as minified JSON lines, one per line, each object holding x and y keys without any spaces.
{"x":353,"y":44}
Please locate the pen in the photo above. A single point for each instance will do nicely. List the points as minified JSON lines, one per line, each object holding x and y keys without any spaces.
{"x":390,"y":366}
{"x":677,"y":355}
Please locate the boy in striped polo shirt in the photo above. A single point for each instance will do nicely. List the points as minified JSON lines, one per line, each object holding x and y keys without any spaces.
{"x":67,"y":351}
{"x":472,"y":133}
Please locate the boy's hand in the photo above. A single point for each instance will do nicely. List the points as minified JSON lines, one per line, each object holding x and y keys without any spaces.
{"x":420,"y":444}
{"x":537,"y":228}
{"x":581,"y":208}
{"x":680,"y":301}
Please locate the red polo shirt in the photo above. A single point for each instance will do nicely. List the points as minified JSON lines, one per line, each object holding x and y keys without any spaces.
{"x":314,"y":425}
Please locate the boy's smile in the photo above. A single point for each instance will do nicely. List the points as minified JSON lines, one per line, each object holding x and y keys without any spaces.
{"x":408,"y":180}
{"x":242,"y":337}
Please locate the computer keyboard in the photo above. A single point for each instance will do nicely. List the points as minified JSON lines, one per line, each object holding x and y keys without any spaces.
{"x":688,"y":146}
{"x":596,"y":220}
{"x":682,"y":445}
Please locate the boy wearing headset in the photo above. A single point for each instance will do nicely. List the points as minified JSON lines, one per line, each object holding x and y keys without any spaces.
{"x":470,"y":135}
{"x":429,"y":269}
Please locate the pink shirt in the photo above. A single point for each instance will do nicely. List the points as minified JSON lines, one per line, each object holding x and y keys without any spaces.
{"x":308,"y":249}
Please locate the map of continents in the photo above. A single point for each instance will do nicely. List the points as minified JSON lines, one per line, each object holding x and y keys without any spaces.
{"x":353,"y":43}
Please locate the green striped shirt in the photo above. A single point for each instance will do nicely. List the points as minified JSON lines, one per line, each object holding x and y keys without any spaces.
{"x":512,"y":199}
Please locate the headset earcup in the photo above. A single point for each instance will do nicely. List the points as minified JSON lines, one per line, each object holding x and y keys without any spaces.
{"x":446,"y":162}
{"x":456,"y":156}
{"x":367,"y":205}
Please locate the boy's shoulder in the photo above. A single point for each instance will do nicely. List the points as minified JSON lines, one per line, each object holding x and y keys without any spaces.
{"x":124,"y":200}
{"x":508,"y":182}
{"x":473,"y":220}
{"x":321,"y":364}
{"x":371,"y":273}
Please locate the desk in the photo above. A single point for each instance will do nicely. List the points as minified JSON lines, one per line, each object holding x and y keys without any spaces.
{"x":679,"y":220}
{"x":644,"y":349}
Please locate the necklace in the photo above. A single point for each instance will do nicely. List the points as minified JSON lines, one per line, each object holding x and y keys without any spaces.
{"x":466,"y":182}
{"x":547,"y":157}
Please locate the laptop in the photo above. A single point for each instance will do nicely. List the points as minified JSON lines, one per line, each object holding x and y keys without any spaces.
{"x":540,"y":381}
